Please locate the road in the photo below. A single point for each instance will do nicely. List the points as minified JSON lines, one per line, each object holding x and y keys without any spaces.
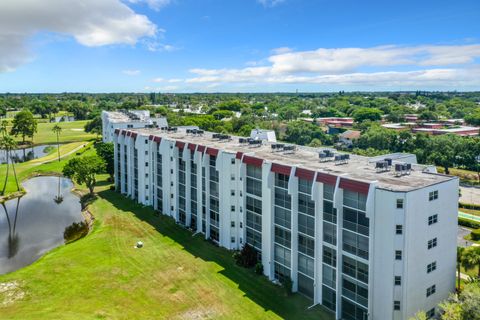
{"x":470,"y":195}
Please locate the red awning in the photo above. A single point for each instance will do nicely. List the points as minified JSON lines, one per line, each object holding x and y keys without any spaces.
{"x":257,"y":162}
{"x":305,"y":174}
{"x":326,"y":178}
{"x":157,"y":139}
{"x":192,"y":146}
{"x":150,"y":137}
{"x":282,"y":169}
{"x":239,"y":155}
{"x":212,"y":151}
{"x":134,"y":135}
{"x":353,"y":185}
{"x":201,"y":148}
{"x":117,"y":131}
{"x":129,"y":133}
{"x":124,"y":132}
{"x":180,"y":144}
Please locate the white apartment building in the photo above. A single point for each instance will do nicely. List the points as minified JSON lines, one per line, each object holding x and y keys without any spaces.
{"x":128,"y":119}
{"x":363,"y":239}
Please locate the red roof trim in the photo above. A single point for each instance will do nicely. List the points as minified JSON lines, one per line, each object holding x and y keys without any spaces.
{"x":257,"y":162}
{"x":326,"y":178}
{"x":150,"y":137}
{"x":180,"y":144}
{"x":201,"y":148}
{"x":129,"y":133}
{"x":117,"y":131}
{"x":212,"y":151}
{"x":353,"y":185}
{"x":157,"y":139}
{"x":134,"y":135}
{"x":305,"y":174}
{"x":282,"y":169}
{"x":192,"y":146}
{"x":124,"y":132}
{"x":239,"y":155}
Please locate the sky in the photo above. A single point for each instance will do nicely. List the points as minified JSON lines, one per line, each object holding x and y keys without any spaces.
{"x":238,"y":45}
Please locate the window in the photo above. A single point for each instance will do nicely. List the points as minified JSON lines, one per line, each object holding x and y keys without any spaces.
{"x":399,"y":229}
{"x":232,"y":177}
{"x":432,"y":219}
{"x":432,"y":243}
{"x":232,"y":239}
{"x":398,"y":255}
{"x":241,"y":225}
{"x":232,"y":160}
{"x":431,"y":290}
{"x":146,"y":142}
{"x":329,"y":256}
{"x":398,"y":281}
{"x":232,"y":192}
{"x":432,"y":266}
{"x":399,"y":203}
{"x":433,"y":195}
{"x":396,"y":305}
{"x":431,"y":313}
{"x":146,"y":152}
{"x":232,"y":208}
{"x":146,"y":164}
{"x":233,"y":224}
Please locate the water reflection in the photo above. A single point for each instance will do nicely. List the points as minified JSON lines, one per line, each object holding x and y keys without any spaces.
{"x":35,"y":223}
{"x":25,"y":154}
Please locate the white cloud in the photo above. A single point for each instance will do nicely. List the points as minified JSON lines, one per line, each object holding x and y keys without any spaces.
{"x":419,"y":65}
{"x":162,"y":88}
{"x":282,"y":50}
{"x":270,"y":3}
{"x":90,"y":22}
{"x":154,"y":4}
{"x":174,"y":80}
{"x":131,"y":72}
{"x":158,"y":80}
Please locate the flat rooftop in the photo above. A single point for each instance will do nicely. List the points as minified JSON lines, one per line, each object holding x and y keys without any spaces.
{"x":358,"y":167}
{"x":117,"y":116}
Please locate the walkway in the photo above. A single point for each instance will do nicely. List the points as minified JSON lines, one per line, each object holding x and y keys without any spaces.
{"x":469,"y":216}
{"x":470,"y":195}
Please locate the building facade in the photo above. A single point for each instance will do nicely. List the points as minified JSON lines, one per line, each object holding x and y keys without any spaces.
{"x":363,"y":243}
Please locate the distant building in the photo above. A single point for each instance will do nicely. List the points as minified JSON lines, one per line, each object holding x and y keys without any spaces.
{"x":266,"y":135}
{"x":128,"y":119}
{"x":349,"y":136}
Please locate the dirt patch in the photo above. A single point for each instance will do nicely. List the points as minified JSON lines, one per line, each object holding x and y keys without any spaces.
{"x":10,"y":292}
{"x":198,"y":314}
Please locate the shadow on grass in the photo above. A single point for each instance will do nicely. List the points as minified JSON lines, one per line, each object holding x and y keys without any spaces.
{"x":257,"y":288}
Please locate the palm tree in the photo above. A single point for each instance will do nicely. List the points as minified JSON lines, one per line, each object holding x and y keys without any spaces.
{"x":471,"y":259}
{"x":7,"y":143}
{"x":57,"y":129}
{"x":460,"y":252}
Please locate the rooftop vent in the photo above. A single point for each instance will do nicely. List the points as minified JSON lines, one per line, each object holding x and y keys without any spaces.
{"x":382,"y":166}
{"x":255,"y":143}
{"x":195,"y":132}
{"x":341,"y":159}
{"x":277,"y":147}
{"x":326,"y":155}
{"x":242,"y":140}
{"x":402,"y":169}
{"x":289,"y":149}
{"x":172,"y":129}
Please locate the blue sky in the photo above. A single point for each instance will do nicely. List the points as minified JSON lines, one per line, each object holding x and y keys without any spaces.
{"x":238,"y":45}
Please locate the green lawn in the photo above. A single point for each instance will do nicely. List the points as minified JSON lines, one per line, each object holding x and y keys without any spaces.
{"x":175,"y":275}
{"x":72,"y":132}
{"x":44,"y":165}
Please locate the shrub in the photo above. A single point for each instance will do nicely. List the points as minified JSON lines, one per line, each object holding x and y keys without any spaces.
{"x":288,"y":284}
{"x":75,"y":231}
{"x":259,"y":268}
{"x":247,"y":257}
{"x":468,"y":223}
{"x":475,"y":234}
{"x":469,"y":206}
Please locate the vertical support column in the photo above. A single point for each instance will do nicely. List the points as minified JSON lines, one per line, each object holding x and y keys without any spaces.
{"x":267,"y":220}
{"x":317,"y":196}
{"x":293,"y":191}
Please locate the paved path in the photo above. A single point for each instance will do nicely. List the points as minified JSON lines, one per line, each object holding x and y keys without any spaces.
{"x":37,"y":163}
{"x":470,"y":195}
{"x":461,"y":233}
{"x":468,"y":216}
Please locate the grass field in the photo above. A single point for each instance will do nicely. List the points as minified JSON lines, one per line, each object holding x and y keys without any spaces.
{"x":71,"y":132}
{"x":175,"y":275}
{"x":44,"y":165}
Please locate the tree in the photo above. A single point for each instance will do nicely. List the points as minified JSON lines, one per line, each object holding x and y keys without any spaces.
{"x":84,"y":170}
{"x":362,"y":114}
{"x":7,"y":143}
{"x":94,"y":126}
{"x":471,"y":259}
{"x":106,"y":152}
{"x":57,"y":130}
{"x":24,"y":124}
{"x":460,"y":252}
{"x":303,"y":133}
{"x":463,"y":306}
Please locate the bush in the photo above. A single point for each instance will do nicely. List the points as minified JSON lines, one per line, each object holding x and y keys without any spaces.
{"x":247,"y":257}
{"x":259,"y":268}
{"x":288,"y":284}
{"x":468,"y":223}
{"x":75,"y":231}
{"x":475,"y":235}
{"x":469,"y":206}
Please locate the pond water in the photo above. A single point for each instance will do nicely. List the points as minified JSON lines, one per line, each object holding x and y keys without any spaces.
{"x":64,"y":119}
{"x":26,"y":154}
{"x":34,"y":224}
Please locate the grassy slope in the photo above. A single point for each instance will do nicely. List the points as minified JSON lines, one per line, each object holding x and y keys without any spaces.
{"x":175,"y":276}
{"x":29,"y":168}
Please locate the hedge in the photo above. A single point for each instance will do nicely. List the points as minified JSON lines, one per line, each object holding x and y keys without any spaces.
{"x":469,"y":206}
{"x":475,"y":235}
{"x":468,"y":223}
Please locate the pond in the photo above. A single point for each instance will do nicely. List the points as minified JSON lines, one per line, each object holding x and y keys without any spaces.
{"x":63,"y":119}
{"x":26,"y":154}
{"x":34,"y":224}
